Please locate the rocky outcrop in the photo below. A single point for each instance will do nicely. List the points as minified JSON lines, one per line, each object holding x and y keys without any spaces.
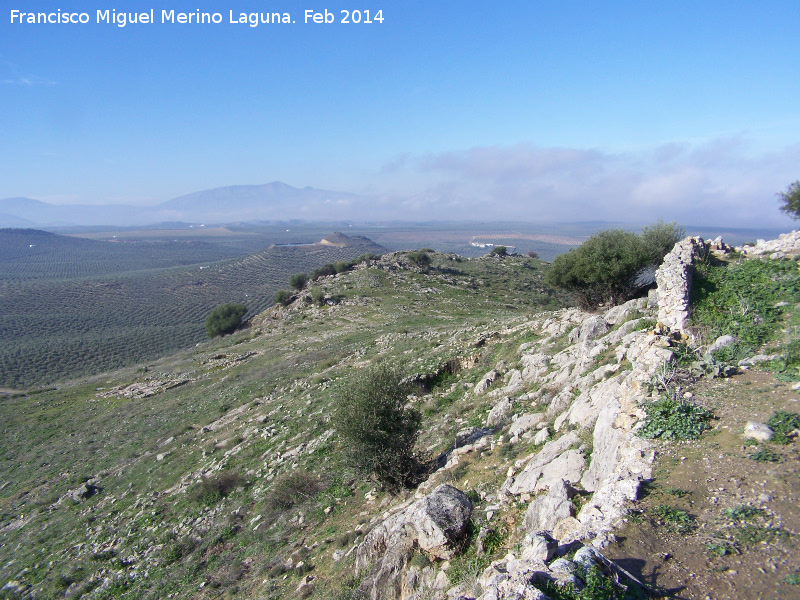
{"x":435,"y":524}
{"x":787,"y":244}
{"x":583,"y":404}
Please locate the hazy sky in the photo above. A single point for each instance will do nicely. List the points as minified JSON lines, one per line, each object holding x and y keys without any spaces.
{"x":526,"y":109}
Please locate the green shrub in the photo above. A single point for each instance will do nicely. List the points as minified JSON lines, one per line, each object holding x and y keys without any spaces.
{"x":376,"y":430}
{"x":597,"y":586}
{"x":323,"y":271}
{"x":659,"y":239}
{"x":342,"y":266}
{"x":298,"y":281}
{"x":212,"y":489}
{"x":225,"y":319}
{"x":605,"y":267}
{"x":670,"y":419}
{"x":420,"y":259}
{"x":282,"y":297}
{"x":533,"y":254}
{"x":742,"y":513}
{"x":765,"y":455}
{"x":317,"y":296}
{"x":499,"y":251}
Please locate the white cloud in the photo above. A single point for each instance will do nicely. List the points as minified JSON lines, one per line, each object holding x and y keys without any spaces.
{"x":720,"y":182}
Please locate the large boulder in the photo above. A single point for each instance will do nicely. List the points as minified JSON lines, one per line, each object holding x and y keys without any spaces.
{"x":440,"y":520}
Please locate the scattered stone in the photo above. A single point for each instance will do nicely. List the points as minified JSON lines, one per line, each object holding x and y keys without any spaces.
{"x":757,"y":431}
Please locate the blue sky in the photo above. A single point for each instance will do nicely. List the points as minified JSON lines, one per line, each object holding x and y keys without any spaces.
{"x":522,"y":110}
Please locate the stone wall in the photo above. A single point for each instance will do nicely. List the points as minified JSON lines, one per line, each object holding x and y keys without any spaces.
{"x":674,"y":276}
{"x":674,"y":279}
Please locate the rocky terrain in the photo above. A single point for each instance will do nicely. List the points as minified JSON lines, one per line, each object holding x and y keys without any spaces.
{"x":215,"y":473}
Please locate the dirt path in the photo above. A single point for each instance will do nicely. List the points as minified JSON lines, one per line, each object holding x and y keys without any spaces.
{"x":739,"y":537}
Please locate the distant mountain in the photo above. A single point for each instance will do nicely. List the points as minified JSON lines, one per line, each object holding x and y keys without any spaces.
{"x":268,"y":202}
{"x":236,"y":203}
{"x":26,"y":212}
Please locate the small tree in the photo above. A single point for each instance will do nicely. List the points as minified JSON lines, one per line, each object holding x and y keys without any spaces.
{"x":660,"y":238}
{"x":790,"y":200}
{"x":420,"y":258}
{"x":225,"y":319}
{"x":282,"y":297}
{"x":533,"y":254}
{"x":377,"y":432}
{"x":298,"y":281}
{"x":499,"y":251}
{"x":602,"y":269}
{"x":317,"y":296}
{"x":323,"y":271}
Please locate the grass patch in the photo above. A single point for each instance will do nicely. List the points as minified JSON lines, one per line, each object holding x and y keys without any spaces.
{"x":741,"y":299}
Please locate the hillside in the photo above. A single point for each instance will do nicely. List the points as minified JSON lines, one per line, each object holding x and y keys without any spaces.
{"x":73,"y":307}
{"x":217,"y":473}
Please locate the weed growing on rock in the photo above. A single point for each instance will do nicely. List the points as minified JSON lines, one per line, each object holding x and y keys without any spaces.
{"x":597,"y":586}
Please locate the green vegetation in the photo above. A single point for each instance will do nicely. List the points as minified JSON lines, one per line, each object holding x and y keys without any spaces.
{"x":282,"y":297}
{"x":671,"y":419}
{"x":377,"y":432}
{"x":743,"y":299}
{"x":742,"y":513}
{"x":604,"y":269}
{"x":790,"y":200}
{"x":499,"y":251}
{"x":325,"y":270}
{"x":675,"y":520}
{"x":298,"y":281}
{"x":225,"y":319}
{"x":420,"y":258}
{"x":317,"y":296}
{"x":783,"y":422}
{"x":597,"y":586}
{"x":765,"y":455}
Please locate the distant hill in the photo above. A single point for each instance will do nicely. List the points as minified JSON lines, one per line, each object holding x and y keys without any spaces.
{"x":104,"y":304}
{"x":236,"y":203}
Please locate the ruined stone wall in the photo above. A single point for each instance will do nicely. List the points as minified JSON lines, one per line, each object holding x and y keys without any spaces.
{"x":674,"y":279}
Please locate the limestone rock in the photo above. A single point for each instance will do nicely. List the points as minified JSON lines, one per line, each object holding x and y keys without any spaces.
{"x":524,"y":423}
{"x":544,"y":512}
{"x":485,"y":382}
{"x":722,"y":341}
{"x":527,"y":479}
{"x":499,"y":412}
{"x":439,"y":520}
{"x":539,"y":546}
{"x":757,"y":431}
